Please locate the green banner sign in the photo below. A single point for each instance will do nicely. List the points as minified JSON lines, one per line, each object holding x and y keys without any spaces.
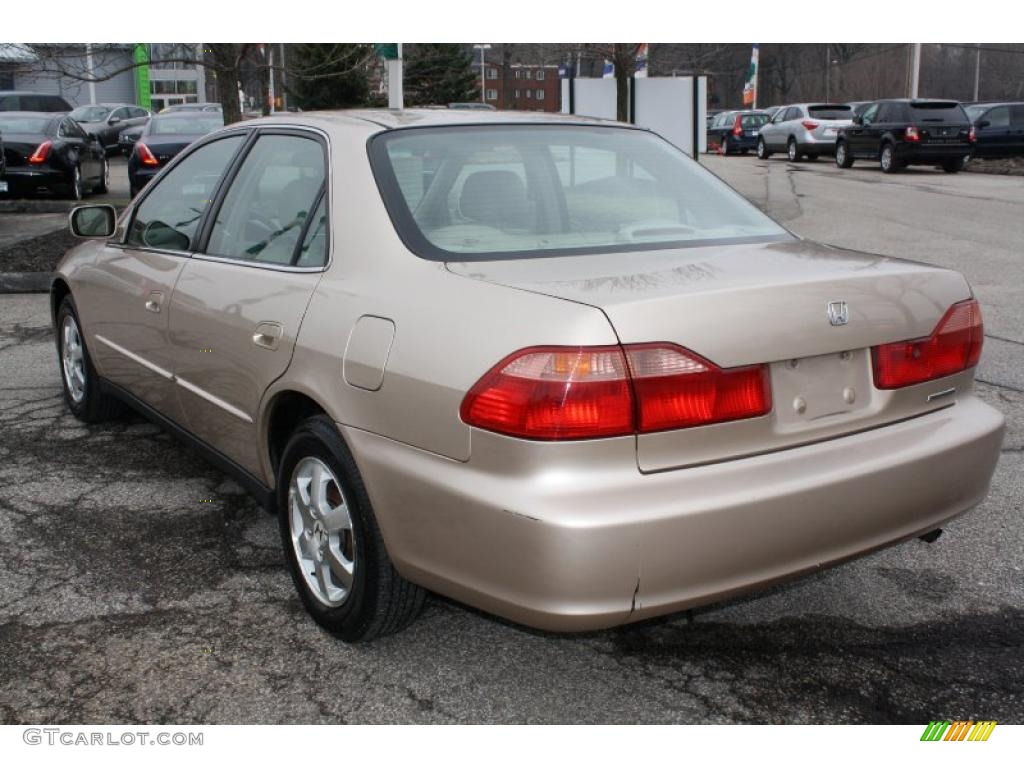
{"x":141,"y":56}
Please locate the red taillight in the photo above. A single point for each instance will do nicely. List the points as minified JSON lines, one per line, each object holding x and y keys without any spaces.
{"x":911,"y":134}
{"x":971,"y":135}
{"x":146,"y":154}
{"x":954,"y":346}
{"x":737,"y":127}
{"x":676,"y":388}
{"x":574,"y":393}
{"x":810,"y":125}
{"x":42,"y":152}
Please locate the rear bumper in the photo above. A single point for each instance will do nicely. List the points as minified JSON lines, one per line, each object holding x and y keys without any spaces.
{"x":936,"y":153}
{"x":592,"y":543}
{"x":818,"y":146}
{"x":20,"y":179}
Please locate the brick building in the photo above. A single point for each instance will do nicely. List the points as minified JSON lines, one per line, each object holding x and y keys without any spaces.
{"x":532,"y":88}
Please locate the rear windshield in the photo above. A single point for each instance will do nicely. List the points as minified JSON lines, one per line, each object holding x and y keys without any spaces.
{"x":754,"y":121}
{"x":488,"y":192}
{"x":23,"y":123}
{"x":179,"y":124}
{"x":937,"y":112}
{"x":89,"y":114}
{"x":830,"y":111}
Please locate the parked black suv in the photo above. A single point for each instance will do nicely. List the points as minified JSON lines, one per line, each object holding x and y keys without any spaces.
{"x":901,"y":132}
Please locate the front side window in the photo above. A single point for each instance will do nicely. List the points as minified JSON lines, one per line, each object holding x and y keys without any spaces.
{"x":265,"y":211}
{"x":168,"y":218}
{"x":869,"y":115}
{"x":998,"y":117}
{"x":505,"y":191}
{"x":89,"y":114}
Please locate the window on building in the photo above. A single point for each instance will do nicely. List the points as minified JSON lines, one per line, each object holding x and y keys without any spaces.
{"x":540,"y":74}
{"x":518,"y":74}
{"x":492,"y":94}
{"x":540,"y":94}
{"x":517,"y":93}
{"x":529,"y":93}
{"x":492,"y":73}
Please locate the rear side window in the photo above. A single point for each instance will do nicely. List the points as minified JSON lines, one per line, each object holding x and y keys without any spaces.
{"x":830,"y":111}
{"x":266,"y":210}
{"x":753,"y":121}
{"x":313,"y":252}
{"x":937,"y":112}
{"x":1017,"y":115}
{"x":169,"y":216}
{"x":998,"y":117}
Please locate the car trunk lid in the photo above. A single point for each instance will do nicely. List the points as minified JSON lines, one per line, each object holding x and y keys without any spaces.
{"x":18,"y":147}
{"x":780,"y":304}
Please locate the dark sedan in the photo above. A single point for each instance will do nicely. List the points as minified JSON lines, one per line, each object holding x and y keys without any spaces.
{"x":106,"y":121}
{"x":127,"y":138}
{"x":164,"y":137}
{"x":999,"y":128}
{"x":735,"y":131}
{"x":46,"y":152}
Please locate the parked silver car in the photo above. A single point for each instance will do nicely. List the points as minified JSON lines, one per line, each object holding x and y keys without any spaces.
{"x":803,"y":130}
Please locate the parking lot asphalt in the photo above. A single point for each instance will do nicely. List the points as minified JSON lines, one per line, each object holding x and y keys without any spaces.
{"x":137,"y":583}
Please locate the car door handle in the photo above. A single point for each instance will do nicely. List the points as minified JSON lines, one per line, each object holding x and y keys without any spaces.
{"x":267,"y":335}
{"x":156,"y":298}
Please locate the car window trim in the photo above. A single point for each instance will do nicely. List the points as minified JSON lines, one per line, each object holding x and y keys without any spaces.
{"x":180,"y":158}
{"x":321,"y":197}
{"x":210,"y":215}
{"x":420,"y":246}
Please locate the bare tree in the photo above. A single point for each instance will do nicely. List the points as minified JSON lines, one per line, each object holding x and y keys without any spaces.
{"x":229,"y":64}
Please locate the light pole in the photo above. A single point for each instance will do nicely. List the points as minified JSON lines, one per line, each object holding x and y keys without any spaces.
{"x":483,"y":70}
{"x":977,"y":70}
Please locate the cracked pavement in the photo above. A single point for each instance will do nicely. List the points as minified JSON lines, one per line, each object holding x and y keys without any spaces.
{"x":139,"y":584}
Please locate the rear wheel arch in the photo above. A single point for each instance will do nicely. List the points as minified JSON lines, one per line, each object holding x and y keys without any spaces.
{"x":286,"y":410}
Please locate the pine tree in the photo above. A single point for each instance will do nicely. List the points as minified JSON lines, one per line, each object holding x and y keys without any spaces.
{"x":328,"y":75}
{"x":438,"y":74}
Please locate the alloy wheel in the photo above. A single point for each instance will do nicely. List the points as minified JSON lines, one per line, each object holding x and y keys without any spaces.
{"x":886,"y":158}
{"x":840,"y":154}
{"x":72,"y":358}
{"x":321,"y":531}
{"x":791,"y":151}
{"x":76,"y":186}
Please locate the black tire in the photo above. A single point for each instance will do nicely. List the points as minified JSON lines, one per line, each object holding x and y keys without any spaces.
{"x":76,"y":188}
{"x":93,"y":405}
{"x":844,"y":158}
{"x":762,"y":150}
{"x":103,"y":184}
{"x":380,"y":601}
{"x":953,"y":166}
{"x":792,"y":151}
{"x":887,"y":159}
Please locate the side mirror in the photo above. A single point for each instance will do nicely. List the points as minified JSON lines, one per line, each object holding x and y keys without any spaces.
{"x":984,"y":123}
{"x":857,"y":120}
{"x":113,"y":121}
{"x":93,"y":222}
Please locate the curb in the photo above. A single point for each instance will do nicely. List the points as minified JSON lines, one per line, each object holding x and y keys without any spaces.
{"x":23,"y":205}
{"x":25,"y":282}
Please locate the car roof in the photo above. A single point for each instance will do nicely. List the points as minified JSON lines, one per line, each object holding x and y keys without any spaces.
{"x":47,"y":115}
{"x":422,"y":117}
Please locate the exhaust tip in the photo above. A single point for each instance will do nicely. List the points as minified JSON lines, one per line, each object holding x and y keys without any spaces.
{"x":931,"y":537}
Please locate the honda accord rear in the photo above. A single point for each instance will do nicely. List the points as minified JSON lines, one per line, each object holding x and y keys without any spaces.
{"x":547,"y":366}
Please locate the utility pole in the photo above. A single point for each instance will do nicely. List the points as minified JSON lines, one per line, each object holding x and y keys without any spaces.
{"x":483,"y":70}
{"x":977,"y":70}
{"x":915,"y":71}
{"x":396,"y":97}
{"x":92,"y":74}
{"x":828,"y":70}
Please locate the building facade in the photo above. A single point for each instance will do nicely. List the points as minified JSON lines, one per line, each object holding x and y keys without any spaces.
{"x":525,"y":87}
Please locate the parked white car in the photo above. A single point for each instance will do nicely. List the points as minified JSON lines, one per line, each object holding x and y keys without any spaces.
{"x":803,"y":130}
